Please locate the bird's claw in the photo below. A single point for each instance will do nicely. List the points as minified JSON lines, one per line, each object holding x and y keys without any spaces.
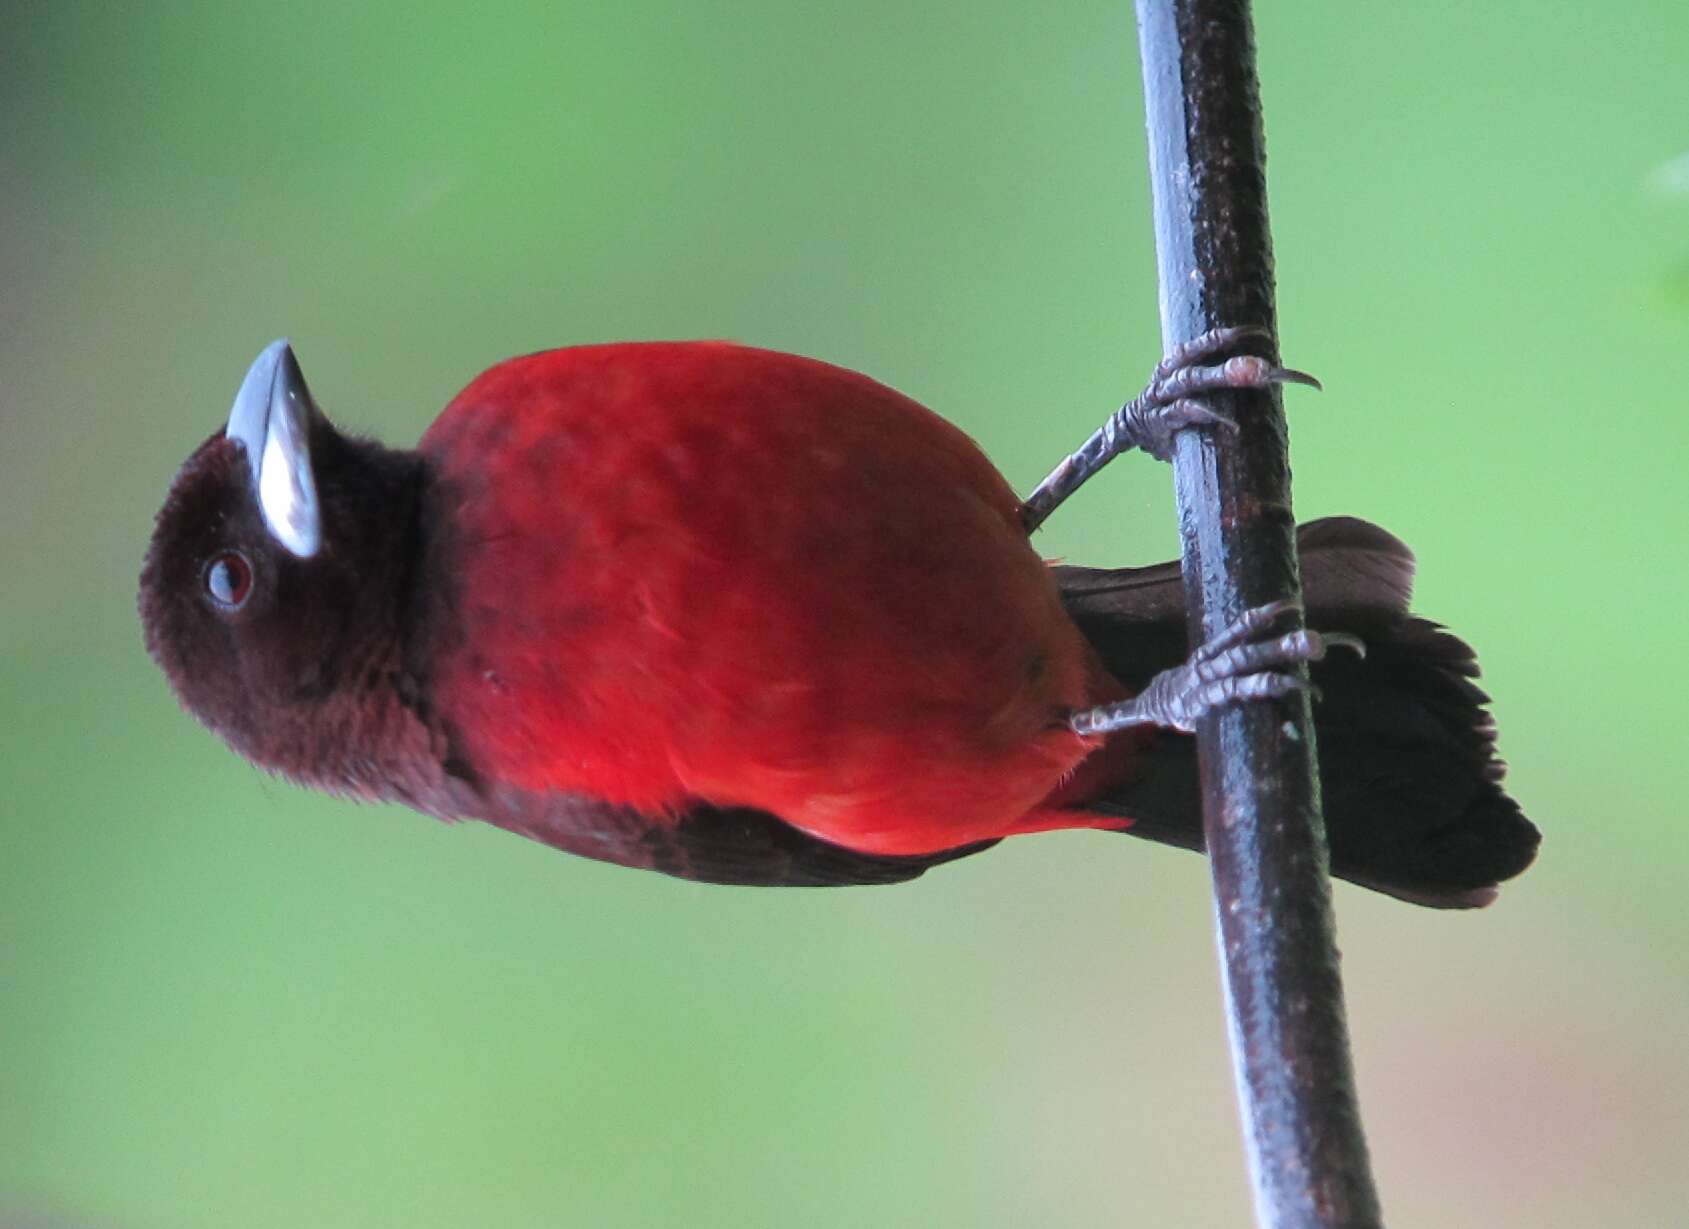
{"x":1174,"y":400}
{"x":1248,"y":660}
{"x":1168,"y":404}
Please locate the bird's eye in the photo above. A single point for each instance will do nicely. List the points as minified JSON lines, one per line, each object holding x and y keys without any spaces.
{"x":228,"y":580}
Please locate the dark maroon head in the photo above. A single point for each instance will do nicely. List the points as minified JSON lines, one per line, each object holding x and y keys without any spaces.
{"x":276,"y":594}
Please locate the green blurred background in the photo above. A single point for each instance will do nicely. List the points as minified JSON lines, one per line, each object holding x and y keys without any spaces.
{"x":226,"y":1002}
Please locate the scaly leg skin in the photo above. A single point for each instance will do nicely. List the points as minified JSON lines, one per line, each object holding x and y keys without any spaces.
{"x":1168,"y":405}
{"x":1244,"y":662}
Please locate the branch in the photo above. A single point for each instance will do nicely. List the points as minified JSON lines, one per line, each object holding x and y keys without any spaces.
{"x":1266,"y":840}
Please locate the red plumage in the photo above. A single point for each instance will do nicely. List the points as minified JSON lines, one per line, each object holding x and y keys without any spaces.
{"x":708,"y":571}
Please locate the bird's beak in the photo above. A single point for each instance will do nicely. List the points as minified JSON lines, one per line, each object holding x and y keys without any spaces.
{"x":271,"y":419}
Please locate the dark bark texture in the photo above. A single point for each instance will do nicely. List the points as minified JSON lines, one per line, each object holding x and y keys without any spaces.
{"x":1266,"y":840}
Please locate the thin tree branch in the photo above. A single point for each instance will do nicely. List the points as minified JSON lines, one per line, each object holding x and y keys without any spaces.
{"x":1266,"y":840}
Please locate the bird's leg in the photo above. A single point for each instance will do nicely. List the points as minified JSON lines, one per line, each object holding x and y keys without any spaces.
{"x":1167,"y":405}
{"x":1246,"y":661}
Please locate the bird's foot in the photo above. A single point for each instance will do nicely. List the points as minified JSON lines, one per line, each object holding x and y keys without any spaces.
{"x":1246,"y":661}
{"x":1170,"y":403}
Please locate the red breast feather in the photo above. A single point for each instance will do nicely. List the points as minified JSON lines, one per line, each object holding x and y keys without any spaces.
{"x":704,"y":571}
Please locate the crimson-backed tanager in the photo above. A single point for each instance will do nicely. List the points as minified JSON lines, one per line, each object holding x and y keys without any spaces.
{"x":746,"y":617}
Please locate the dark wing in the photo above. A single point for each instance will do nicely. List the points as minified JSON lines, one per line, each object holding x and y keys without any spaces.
{"x":732,"y":845}
{"x":1355,"y":576}
{"x":1408,"y":771}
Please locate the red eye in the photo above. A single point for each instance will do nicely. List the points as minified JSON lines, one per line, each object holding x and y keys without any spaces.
{"x":228,"y":580}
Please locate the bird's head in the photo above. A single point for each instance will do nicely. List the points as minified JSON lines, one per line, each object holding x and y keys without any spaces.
{"x":277,"y":589}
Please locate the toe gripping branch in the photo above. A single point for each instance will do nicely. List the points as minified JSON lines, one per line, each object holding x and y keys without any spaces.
{"x":1246,"y":661}
{"x":1168,"y":405}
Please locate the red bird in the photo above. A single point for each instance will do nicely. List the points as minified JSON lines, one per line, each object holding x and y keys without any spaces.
{"x":746,"y":617}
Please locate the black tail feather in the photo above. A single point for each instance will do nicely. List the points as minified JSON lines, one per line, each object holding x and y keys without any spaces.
{"x":1410,"y":781}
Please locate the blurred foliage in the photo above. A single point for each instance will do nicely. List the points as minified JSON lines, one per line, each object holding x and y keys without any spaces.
{"x":226,"y":1002}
